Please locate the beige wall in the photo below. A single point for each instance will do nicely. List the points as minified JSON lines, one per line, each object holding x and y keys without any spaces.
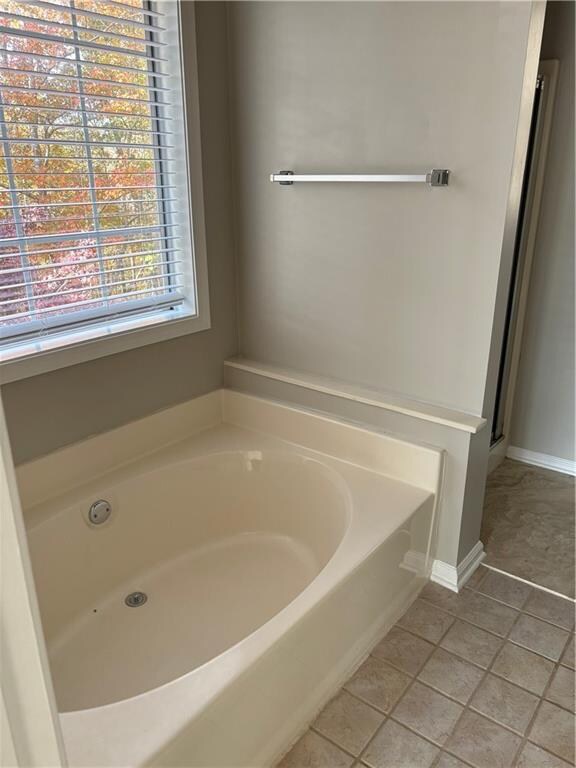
{"x":388,"y":286}
{"x":543,"y":418}
{"x":58,"y":408}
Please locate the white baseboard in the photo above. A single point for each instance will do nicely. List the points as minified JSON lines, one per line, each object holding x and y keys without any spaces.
{"x":454,"y":577}
{"x":544,"y":460}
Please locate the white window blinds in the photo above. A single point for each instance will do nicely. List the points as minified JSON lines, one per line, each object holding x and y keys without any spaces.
{"x":89,"y":227}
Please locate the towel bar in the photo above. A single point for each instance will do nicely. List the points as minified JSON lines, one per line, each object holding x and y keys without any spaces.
{"x":435,"y":178}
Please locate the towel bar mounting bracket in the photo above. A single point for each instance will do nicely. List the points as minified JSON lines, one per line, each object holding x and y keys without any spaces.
{"x":286,"y":173}
{"x":439,"y":177}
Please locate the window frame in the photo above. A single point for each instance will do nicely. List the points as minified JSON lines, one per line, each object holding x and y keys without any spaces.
{"x":108,"y":336}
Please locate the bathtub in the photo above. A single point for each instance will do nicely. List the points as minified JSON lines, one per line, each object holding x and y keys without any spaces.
{"x":253,"y":555}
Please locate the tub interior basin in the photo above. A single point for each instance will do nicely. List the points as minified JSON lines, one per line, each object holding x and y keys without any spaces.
{"x":212,"y":548}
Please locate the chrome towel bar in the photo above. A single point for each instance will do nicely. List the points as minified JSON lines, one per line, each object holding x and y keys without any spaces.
{"x":436,"y":177}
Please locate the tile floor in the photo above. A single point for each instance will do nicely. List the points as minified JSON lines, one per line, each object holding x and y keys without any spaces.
{"x":484,"y":678}
{"x":529,"y":524}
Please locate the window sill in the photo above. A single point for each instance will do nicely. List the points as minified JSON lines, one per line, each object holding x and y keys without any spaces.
{"x":25,"y":359}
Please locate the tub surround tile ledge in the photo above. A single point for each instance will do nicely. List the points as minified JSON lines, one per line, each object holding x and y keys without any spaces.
{"x":386,"y":400}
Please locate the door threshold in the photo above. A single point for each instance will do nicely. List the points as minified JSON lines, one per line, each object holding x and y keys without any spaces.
{"x":527,"y":581}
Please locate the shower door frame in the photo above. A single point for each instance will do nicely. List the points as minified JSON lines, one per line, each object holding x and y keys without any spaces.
{"x":548,"y":73}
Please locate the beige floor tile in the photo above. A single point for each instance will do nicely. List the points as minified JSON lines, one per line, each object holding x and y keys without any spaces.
{"x":557,"y":610}
{"x":313,"y":751}
{"x":476,"y":578}
{"x":471,"y":643}
{"x":378,"y":684}
{"x":503,"y":588}
{"x":348,"y":722}
{"x":482,"y":743}
{"x":509,"y":705}
{"x":428,"y":713}
{"x":442,"y":597}
{"x":449,"y":761}
{"x":553,"y":729}
{"x":396,"y":747}
{"x":486,"y":613}
{"x":561,"y":689}
{"x":568,"y":655}
{"x":532,"y":756}
{"x":539,"y":636}
{"x":528,"y":524}
{"x":451,"y":675}
{"x":426,"y":620}
{"x":403,"y":650}
{"x":520,"y":666}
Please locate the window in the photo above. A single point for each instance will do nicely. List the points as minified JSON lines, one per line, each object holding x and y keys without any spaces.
{"x":95,"y":231}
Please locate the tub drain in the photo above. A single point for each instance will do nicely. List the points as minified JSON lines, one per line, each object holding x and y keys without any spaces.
{"x":136,"y":599}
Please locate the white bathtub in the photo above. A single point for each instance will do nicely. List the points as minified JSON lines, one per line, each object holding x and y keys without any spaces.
{"x":274,"y":547}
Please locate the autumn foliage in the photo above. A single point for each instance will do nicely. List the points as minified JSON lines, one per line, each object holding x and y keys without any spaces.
{"x":83,"y":159}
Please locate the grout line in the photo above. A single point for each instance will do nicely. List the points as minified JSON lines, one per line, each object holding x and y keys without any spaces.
{"x":569,"y":629}
{"x":457,"y":617}
{"x":468,"y":621}
{"x":334,"y":743}
{"x":390,"y":664}
{"x":525,"y":647}
{"x":373,"y":706}
{"x":477,"y":588}
{"x":413,"y":678}
{"x":400,"y":698}
{"x":387,"y":716}
{"x":475,"y":664}
{"x":526,"y":738}
{"x":451,"y":754}
{"x":517,"y":610}
{"x":531,"y":583}
{"x":504,"y":639}
{"x":502,"y":602}
{"x":466,"y":707}
{"x":488,"y":671}
{"x":521,"y":608}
